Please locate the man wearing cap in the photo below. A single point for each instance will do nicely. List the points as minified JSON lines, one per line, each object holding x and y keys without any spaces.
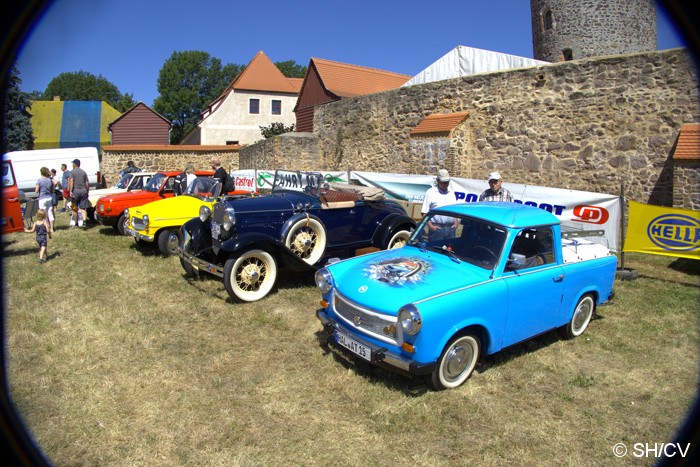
{"x":495,"y":192}
{"x":440,"y":227}
{"x":78,"y":187}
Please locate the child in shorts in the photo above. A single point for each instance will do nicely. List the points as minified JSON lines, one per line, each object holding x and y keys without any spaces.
{"x":43,"y":233}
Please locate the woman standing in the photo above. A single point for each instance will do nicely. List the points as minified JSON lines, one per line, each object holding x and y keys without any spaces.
{"x":44,"y":189}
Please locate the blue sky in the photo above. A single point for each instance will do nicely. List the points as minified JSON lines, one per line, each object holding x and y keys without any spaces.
{"x":128,"y":41}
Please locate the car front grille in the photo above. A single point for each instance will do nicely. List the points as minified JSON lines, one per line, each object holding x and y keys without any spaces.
{"x":382,"y":327}
{"x":138,"y":223}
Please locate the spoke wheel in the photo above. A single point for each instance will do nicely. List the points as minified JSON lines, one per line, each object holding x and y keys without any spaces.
{"x":398,"y":239}
{"x":456,"y":363}
{"x":250,"y":276}
{"x":307,"y":240}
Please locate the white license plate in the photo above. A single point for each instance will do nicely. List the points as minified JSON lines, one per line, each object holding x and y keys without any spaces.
{"x":353,"y":346}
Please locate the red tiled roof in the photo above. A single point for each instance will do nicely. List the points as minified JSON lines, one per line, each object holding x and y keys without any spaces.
{"x":262,"y":75}
{"x":439,"y":123}
{"x":688,"y":146}
{"x":346,"y":80}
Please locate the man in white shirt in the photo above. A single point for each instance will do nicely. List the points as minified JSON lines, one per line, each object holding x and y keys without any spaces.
{"x":440,"y":227}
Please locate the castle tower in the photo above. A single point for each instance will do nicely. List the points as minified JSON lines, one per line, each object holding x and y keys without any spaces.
{"x":573,"y":29}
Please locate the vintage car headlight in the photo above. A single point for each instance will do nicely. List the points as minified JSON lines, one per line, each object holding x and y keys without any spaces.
{"x":145,"y":221}
{"x":229,"y":220}
{"x":126,"y":213}
{"x":204,"y":213}
{"x":324,"y":280}
{"x":101,"y":207}
{"x":409,"y":319}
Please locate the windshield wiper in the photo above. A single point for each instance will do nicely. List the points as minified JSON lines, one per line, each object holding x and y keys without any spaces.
{"x":452,"y":254}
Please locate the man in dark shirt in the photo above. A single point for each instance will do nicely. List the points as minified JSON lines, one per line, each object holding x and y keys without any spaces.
{"x":79,"y":186}
{"x":221,"y":175}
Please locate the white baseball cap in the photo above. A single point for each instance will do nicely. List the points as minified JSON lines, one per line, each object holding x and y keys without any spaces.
{"x":494,"y":176}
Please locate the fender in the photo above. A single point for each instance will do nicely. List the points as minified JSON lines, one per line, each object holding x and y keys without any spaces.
{"x":200,"y":232}
{"x":264,"y":242}
{"x":383,"y":233}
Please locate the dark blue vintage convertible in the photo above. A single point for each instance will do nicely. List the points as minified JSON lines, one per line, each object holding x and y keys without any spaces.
{"x":300,"y":225}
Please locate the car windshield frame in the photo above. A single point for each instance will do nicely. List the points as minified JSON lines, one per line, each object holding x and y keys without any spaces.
{"x":290,"y":180}
{"x":204,"y":184}
{"x":124,"y":182}
{"x":475,"y":241}
{"x":156,"y":183}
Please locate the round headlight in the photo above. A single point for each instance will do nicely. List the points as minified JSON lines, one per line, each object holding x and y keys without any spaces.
{"x":204,"y":213}
{"x":228,"y":221}
{"x":126,"y":213}
{"x":409,"y":319}
{"x":324,"y":280}
{"x":145,"y":220}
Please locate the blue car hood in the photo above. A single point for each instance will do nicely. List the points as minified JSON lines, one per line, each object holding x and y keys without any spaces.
{"x":386,"y":280}
{"x":271,"y":202}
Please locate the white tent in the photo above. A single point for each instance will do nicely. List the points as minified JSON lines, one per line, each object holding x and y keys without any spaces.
{"x":463,"y":61}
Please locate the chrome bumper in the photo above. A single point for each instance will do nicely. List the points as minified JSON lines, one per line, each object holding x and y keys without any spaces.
{"x":199,"y":264}
{"x":138,"y":235}
{"x":380,"y":355}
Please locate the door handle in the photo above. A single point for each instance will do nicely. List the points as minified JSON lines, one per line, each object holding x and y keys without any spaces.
{"x":559,"y":278}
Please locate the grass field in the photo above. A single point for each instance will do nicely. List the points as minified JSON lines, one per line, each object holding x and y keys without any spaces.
{"x":115,"y":358}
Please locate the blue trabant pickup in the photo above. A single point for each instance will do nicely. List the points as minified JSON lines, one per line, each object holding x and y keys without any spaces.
{"x":472,"y":279}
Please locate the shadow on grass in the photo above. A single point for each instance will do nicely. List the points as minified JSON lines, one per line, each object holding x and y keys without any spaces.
{"x":686,"y":266}
{"x":412,"y":385}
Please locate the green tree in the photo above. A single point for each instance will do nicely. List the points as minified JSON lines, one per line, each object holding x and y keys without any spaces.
{"x":84,"y":86}
{"x":187,"y":83}
{"x":17,"y":134}
{"x":291,"y":69}
{"x":276,"y":128}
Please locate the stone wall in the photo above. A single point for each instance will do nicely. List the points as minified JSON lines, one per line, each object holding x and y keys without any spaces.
{"x":585,"y":124}
{"x":153,"y":158}
{"x":686,"y":173}
{"x":294,"y":151}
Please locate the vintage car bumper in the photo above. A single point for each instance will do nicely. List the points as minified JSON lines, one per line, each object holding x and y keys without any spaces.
{"x":380,"y":356}
{"x":107,"y":221}
{"x":138,"y":235}
{"x":200,"y":264}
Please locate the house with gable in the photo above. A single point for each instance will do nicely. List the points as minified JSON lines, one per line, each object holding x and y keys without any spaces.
{"x":259,"y":96}
{"x":328,"y":81}
{"x":140,"y":125}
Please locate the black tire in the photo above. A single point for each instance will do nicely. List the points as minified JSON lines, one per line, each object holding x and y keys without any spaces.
{"x":582,"y":315}
{"x":307,"y":239}
{"x":250,"y":276}
{"x":122,"y":224}
{"x":168,"y":241}
{"x":456,"y":363}
{"x":626,"y":274}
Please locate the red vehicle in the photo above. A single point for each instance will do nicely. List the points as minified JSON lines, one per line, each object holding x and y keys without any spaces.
{"x":110,"y":209}
{"x":11,"y":210}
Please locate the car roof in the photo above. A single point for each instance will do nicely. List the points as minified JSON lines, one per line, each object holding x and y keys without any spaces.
{"x":509,"y":214}
{"x":172,"y":173}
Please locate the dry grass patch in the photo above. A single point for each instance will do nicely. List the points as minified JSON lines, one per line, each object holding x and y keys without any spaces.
{"x":116,"y":358}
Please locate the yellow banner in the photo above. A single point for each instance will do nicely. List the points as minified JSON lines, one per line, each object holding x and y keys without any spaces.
{"x":659,"y":230}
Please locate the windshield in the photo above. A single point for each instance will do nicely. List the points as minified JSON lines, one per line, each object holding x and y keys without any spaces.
{"x":156,"y":182}
{"x":460,"y":237}
{"x":298,"y":181}
{"x":124,"y":182}
{"x":204,"y":187}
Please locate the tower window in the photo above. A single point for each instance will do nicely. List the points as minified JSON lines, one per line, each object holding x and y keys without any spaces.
{"x":548,"y":20}
{"x":568,"y":54}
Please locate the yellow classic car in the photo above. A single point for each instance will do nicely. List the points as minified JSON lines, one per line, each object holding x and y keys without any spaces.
{"x":160,"y":221}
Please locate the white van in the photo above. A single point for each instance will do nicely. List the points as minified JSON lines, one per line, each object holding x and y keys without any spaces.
{"x":27,"y":165}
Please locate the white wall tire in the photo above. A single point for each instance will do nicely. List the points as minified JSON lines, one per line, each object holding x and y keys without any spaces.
{"x":250,"y":276}
{"x":398,"y":239}
{"x":307,"y":240}
{"x":456,"y":363}
{"x":583,"y":313}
